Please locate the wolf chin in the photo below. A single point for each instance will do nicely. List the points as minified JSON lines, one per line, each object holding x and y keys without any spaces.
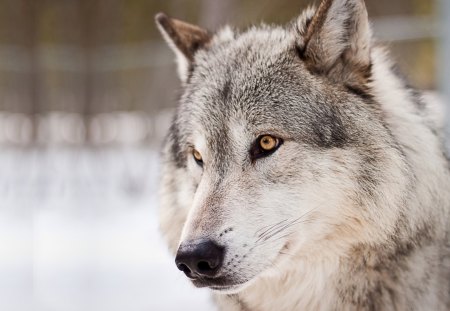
{"x":302,"y":172}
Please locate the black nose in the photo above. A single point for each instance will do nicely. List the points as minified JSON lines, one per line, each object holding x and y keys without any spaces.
{"x":199,"y":258}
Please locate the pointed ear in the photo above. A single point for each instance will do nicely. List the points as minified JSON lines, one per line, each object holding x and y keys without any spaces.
{"x":184,"y":39}
{"x":335,"y":41}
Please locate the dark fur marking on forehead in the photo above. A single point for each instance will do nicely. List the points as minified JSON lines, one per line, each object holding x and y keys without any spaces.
{"x":219,"y":144}
{"x":330,"y":132}
{"x":174,"y":139}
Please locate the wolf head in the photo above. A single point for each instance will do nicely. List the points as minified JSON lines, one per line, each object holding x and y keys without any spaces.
{"x":277,"y":146}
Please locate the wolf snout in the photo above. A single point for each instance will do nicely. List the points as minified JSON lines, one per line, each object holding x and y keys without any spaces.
{"x":200,"y":258}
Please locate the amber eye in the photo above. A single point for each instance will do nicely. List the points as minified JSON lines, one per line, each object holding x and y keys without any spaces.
{"x":197,"y":157}
{"x":267,"y":142}
{"x":264,"y":146}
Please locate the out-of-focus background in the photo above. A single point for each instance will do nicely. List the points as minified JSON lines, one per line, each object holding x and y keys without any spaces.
{"x":87,"y":88}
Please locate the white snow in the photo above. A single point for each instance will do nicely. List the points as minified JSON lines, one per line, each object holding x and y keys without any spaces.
{"x":78,"y":231}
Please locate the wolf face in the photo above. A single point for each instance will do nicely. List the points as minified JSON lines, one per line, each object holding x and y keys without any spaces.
{"x":249,"y":206}
{"x":277,"y":147}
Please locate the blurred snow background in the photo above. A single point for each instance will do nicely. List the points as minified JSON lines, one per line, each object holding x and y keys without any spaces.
{"x":78,"y":231}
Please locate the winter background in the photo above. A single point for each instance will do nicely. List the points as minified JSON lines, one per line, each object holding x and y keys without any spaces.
{"x":87,"y":90}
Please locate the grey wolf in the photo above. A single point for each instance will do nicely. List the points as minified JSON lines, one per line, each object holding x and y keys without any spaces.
{"x":302,"y":172}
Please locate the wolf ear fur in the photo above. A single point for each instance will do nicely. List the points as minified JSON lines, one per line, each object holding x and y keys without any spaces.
{"x":184,"y":39}
{"x":335,"y":41}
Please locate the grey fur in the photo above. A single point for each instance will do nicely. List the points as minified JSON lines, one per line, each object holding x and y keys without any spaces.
{"x":355,"y":135}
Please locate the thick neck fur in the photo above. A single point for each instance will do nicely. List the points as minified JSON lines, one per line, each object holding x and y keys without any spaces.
{"x":379,"y":275}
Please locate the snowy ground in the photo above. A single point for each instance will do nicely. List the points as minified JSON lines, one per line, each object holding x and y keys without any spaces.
{"x":78,"y":231}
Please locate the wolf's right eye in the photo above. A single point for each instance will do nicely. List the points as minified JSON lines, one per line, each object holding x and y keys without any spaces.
{"x":264,"y":146}
{"x":197,"y":157}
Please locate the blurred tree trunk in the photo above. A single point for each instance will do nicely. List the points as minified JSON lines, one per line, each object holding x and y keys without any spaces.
{"x":86,"y":13}
{"x":30,"y":14}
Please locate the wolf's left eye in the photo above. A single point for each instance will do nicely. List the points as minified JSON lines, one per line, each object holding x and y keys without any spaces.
{"x":264,"y":145}
{"x":197,"y":157}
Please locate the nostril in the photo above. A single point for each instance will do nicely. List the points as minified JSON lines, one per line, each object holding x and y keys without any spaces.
{"x":184,"y":268}
{"x":204,"y":266}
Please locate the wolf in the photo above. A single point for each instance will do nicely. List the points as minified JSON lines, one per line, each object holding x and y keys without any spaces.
{"x":302,"y":171}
